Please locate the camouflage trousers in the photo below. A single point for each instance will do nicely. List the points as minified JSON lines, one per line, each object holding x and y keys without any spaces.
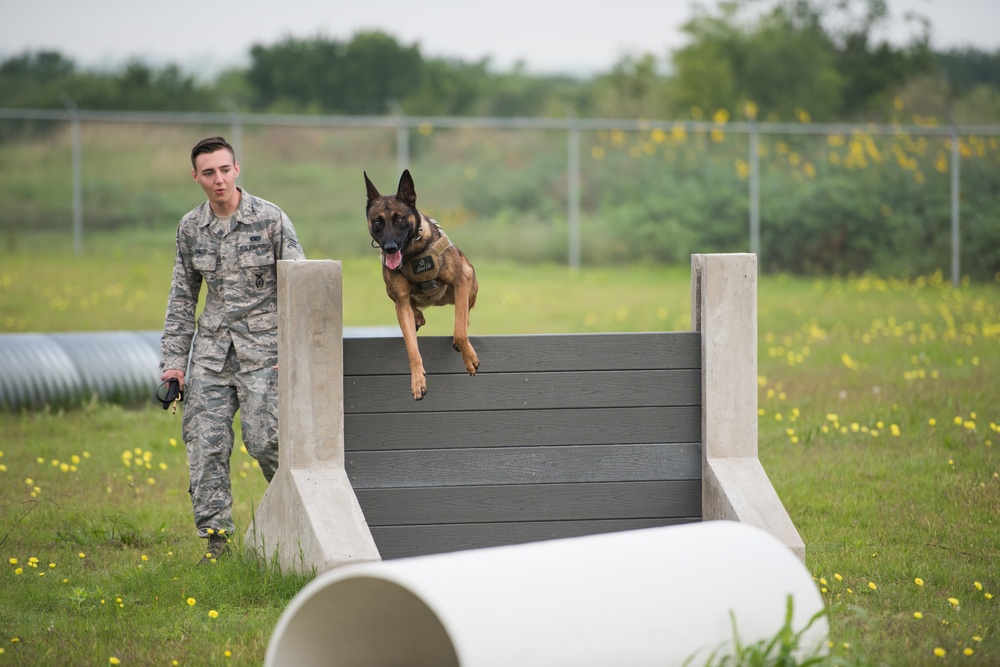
{"x":211,"y":400}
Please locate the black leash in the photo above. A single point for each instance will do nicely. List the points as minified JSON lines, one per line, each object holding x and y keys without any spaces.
{"x":173,"y":394}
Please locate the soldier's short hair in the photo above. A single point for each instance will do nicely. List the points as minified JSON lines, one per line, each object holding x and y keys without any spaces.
{"x":210,"y":145}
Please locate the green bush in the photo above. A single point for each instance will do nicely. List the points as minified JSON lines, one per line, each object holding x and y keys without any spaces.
{"x":828,"y":205}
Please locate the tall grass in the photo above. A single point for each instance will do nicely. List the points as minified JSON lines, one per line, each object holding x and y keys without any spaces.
{"x":878,"y":427}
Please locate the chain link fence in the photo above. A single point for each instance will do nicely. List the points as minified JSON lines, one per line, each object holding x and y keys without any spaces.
{"x":807,"y":198}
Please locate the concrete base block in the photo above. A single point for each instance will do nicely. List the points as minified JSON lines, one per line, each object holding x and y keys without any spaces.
{"x":738,"y":489}
{"x":310,"y":519}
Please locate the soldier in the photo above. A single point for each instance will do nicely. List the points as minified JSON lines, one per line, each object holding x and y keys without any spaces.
{"x":231,"y":243}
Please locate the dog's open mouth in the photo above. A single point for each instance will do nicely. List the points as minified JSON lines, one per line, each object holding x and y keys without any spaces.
{"x":393,"y":259}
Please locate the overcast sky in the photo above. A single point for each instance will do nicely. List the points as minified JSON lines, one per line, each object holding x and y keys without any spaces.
{"x":546,"y":35}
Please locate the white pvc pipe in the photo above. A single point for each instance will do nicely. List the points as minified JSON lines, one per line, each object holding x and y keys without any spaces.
{"x":648,"y":597}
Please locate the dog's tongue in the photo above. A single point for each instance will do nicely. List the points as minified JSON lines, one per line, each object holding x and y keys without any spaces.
{"x":393,"y":260}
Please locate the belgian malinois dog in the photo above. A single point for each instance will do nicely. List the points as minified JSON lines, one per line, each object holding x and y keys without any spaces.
{"x":420,"y":267}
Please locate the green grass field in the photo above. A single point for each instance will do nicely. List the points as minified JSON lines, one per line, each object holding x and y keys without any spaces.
{"x":878,"y":427}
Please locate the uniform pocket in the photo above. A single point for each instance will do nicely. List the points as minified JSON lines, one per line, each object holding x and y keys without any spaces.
{"x":262,"y":322}
{"x":210,"y":320}
{"x":204,"y":260}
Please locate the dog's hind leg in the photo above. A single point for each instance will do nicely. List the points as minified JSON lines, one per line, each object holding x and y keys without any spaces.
{"x":465,"y":295}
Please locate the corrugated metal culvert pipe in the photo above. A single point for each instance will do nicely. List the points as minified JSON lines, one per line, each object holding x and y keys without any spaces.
{"x":65,"y":369}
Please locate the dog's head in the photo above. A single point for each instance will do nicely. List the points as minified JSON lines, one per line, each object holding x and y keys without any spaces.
{"x":392,"y":219}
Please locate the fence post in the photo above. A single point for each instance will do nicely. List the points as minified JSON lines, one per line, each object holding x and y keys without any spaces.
{"x":754,"y":162}
{"x":77,"y":151}
{"x":235,"y":129}
{"x":573,"y":191}
{"x":955,"y":209}
{"x":402,"y":136}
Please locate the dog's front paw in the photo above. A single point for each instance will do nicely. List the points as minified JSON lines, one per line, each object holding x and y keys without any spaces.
{"x":471,"y":363}
{"x":469,"y":357}
{"x":418,"y":385}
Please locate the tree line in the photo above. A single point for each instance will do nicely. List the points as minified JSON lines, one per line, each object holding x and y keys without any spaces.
{"x":784,"y":60}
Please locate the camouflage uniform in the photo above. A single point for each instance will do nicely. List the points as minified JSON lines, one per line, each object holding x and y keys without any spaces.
{"x":236,"y":349}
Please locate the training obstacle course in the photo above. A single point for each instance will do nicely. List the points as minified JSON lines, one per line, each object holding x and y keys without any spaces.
{"x":561,"y":507}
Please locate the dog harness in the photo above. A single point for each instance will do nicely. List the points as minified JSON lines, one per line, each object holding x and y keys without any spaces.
{"x":423,"y":270}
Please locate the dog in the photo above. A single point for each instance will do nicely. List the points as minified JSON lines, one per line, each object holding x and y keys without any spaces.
{"x":421,"y":268}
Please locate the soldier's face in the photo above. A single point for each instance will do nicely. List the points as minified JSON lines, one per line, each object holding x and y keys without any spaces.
{"x":216,"y":174}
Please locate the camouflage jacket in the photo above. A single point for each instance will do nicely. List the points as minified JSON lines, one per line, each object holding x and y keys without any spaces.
{"x":238,"y":263}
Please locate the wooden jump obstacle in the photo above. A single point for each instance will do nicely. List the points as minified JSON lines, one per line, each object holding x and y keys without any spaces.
{"x":557,"y":436}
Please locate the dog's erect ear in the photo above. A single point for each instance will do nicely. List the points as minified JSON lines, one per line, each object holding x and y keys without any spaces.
{"x":372,"y":190}
{"x":406,"y":193}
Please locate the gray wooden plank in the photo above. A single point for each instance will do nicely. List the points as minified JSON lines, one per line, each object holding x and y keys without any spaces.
{"x":523,"y":465}
{"x":534,"y":352}
{"x":530,"y":502}
{"x":508,"y":391}
{"x":406,"y":541}
{"x":496,"y":428}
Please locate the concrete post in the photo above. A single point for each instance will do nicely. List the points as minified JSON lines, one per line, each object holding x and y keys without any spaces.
{"x":309,"y":518}
{"x":734,"y":484}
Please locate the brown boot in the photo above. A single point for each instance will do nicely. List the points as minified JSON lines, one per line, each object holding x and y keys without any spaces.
{"x":217,"y":546}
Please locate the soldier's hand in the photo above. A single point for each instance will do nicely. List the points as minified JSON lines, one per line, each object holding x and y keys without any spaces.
{"x":173,"y":374}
